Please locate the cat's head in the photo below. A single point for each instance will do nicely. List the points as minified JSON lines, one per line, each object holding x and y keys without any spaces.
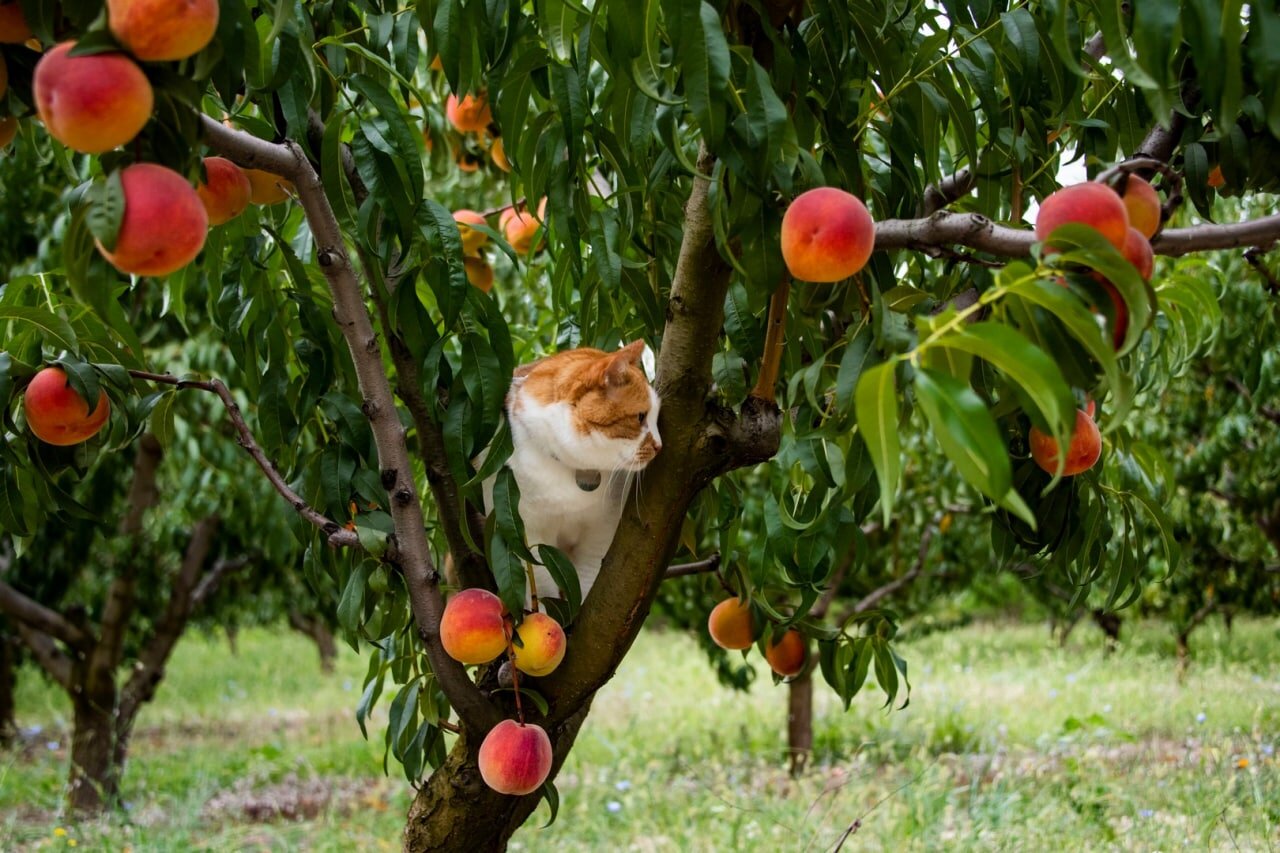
{"x":588,"y":408}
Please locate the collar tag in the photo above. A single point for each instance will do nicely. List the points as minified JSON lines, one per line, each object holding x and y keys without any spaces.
{"x":588,"y":481}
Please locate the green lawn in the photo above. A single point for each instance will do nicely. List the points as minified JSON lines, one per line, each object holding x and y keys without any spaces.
{"x":1009,"y":743}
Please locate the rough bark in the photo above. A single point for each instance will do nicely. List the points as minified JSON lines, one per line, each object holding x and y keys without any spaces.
{"x":95,"y":777}
{"x":800,"y":720}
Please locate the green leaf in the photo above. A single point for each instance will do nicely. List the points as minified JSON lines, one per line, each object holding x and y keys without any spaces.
{"x":506,"y":510}
{"x":876,"y":406}
{"x":703,"y":53}
{"x":106,"y":209}
{"x":351,"y":605}
{"x":565,"y":575}
{"x":508,"y":572}
{"x":552,"y":796}
{"x":55,"y":330}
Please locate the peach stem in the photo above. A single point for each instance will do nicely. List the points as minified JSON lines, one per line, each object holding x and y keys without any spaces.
{"x":773,"y":339}
{"x":533,"y":586}
{"x":515,"y":678}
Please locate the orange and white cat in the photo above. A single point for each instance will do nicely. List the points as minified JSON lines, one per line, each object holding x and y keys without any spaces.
{"x":582,"y":422}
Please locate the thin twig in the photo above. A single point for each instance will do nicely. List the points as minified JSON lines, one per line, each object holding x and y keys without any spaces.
{"x":701,"y":567}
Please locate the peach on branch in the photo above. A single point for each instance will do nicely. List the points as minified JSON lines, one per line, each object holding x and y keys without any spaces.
{"x":498,"y":154}
{"x":226,"y":191}
{"x":1137,"y":251}
{"x":13,"y":24}
{"x":1083,"y":450}
{"x":515,"y":758}
{"x":1092,"y":204}
{"x":91,"y":103}
{"x":470,"y":113}
{"x":163,"y":30}
{"x":787,"y":655}
{"x":730,"y":624}
{"x":479,"y":273}
{"x":827,"y":235}
{"x":8,"y":130}
{"x":473,"y":628}
{"x":541,"y":646}
{"x":472,"y":239}
{"x":57,"y":414}
{"x":164,"y":224}
{"x":267,"y":187}
{"x":1142,"y":203}
{"x":520,"y":227}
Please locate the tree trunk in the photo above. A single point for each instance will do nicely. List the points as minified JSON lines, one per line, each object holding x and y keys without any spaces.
{"x":800,"y":720}
{"x":95,"y":776}
{"x":8,"y":684}
{"x":456,"y":811}
{"x":1110,"y":624}
{"x":1184,"y":653}
{"x":314,"y":627}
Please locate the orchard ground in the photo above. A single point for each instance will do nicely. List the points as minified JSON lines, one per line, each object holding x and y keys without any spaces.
{"x":1010,"y":742}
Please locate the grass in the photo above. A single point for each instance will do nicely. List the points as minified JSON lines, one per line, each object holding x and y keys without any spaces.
{"x":1009,"y":743}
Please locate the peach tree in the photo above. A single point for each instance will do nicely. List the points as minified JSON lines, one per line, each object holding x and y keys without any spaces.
{"x":656,"y":145}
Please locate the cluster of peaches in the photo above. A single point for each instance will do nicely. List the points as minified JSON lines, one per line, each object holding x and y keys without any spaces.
{"x":732,"y":628}
{"x":98,"y":101}
{"x":515,"y":757}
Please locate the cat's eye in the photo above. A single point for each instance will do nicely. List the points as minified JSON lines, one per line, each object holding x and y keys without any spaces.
{"x":642,"y":416}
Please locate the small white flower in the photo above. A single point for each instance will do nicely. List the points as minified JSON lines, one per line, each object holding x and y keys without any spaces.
{"x":1200,"y":718}
{"x":613,"y":806}
{"x":624,"y":785}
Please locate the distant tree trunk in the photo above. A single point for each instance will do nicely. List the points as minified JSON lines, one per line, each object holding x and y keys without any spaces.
{"x":233,"y":633}
{"x":8,"y":684}
{"x":800,"y":720}
{"x":1110,"y":624}
{"x":95,"y":776}
{"x":314,"y":627}
{"x":1184,"y":653}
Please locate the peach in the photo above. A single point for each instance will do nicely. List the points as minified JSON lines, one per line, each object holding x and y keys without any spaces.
{"x":515,"y":758}
{"x":479,"y":273}
{"x":472,"y":239}
{"x":8,"y":130}
{"x":4,"y":76}
{"x":13,"y":24}
{"x":520,"y":228}
{"x":1121,"y":326}
{"x":469,"y":114}
{"x":473,"y":628}
{"x":827,"y":235}
{"x":466,"y":160}
{"x":498,"y":154}
{"x":1092,"y":204}
{"x":91,"y":103}
{"x":164,"y":224}
{"x":226,"y":191}
{"x":1082,"y":453}
{"x":57,"y":414}
{"x":1142,"y":203}
{"x":544,"y":645}
{"x":1137,"y":251}
{"x":730,"y":624}
{"x":163,"y":30}
{"x":787,"y":657}
{"x":267,"y":187}
{"x":1216,"y":178}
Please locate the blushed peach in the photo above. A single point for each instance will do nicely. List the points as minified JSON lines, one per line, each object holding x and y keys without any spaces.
{"x":1092,"y":204}
{"x":472,"y":239}
{"x":1137,"y":251}
{"x":827,"y":235}
{"x":498,"y":154}
{"x":57,"y":414}
{"x":543,"y":645}
{"x":164,"y":224}
{"x":515,"y":758}
{"x":469,"y":114}
{"x":13,"y":24}
{"x":473,"y":628}
{"x":479,"y":273}
{"x":1083,"y":451}
{"x":787,"y":656}
{"x":226,"y":191}
{"x":520,"y":228}
{"x":267,"y":188}
{"x":730,"y":624}
{"x":91,"y":103}
{"x":163,"y":30}
{"x":1142,"y":203}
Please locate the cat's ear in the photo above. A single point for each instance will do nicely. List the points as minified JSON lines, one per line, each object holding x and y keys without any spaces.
{"x":621,"y":361}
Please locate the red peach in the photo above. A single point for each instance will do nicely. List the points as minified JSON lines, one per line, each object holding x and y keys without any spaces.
{"x":543,"y":645}
{"x":13,"y":24}
{"x":1137,"y":251}
{"x":787,"y":657}
{"x":163,"y":30}
{"x":498,"y":154}
{"x":1142,"y":203}
{"x":57,"y":414}
{"x":1082,"y":453}
{"x":226,"y":191}
{"x":473,"y":628}
{"x":1092,"y":204}
{"x":1121,"y":326}
{"x":164,"y":224}
{"x":1216,"y":178}
{"x":479,"y":273}
{"x":827,"y":235}
{"x":469,"y":114}
{"x":520,"y":228}
{"x":472,"y":239}
{"x":91,"y":103}
{"x":515,"y":758}
{"x":730,"y":624}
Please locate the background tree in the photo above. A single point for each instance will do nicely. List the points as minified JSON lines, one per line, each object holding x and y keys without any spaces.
{"x":666,"y":139}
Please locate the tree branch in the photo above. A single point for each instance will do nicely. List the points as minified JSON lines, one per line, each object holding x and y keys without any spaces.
{"x":27,"y":611}
{"x":337,"y":536}
{"x":413,"y":555}
{"x":209,"y":582}
{"x":701,"y":567}
{"x":949,"y":189}
{"x":47,"y":654}
{"x":917,"y":569}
